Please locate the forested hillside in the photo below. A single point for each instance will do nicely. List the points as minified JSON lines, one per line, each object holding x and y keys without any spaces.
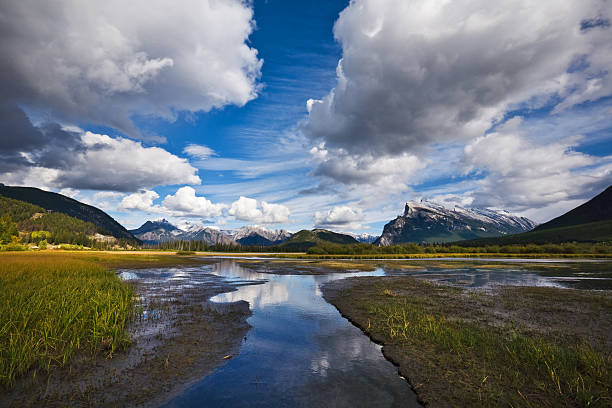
{"x":31,"y":223}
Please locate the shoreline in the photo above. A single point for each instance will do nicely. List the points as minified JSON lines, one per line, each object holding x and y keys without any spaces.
{"x":184,"y":338}
{"x":445,"y":377}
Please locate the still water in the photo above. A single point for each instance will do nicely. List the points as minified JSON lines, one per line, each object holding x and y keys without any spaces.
{"x":300,"y":352}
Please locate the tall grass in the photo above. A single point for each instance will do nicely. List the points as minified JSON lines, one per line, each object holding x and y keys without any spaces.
{"x":528,"y":369}
{"x":52,"y":307}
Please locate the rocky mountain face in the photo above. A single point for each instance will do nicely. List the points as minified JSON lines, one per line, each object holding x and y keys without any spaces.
{"x":153,"y":232}
{"x":432,"y":222}
{"x":255,"y":235}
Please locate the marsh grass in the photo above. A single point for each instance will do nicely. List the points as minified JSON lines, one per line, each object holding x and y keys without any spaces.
{"x":52,"y":307}
{"x":447,"y":335}
{"x":526,"y":363}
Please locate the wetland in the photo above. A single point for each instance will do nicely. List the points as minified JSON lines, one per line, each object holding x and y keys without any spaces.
{"x":285,"y":332}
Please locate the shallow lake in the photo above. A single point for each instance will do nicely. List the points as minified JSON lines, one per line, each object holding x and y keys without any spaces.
{"x":301,"y":352}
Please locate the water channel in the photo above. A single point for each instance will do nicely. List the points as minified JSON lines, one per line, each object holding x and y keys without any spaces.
{"x":301,"y":352}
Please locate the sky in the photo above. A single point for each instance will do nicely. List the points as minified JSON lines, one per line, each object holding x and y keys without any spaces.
{"x":302,"y":114}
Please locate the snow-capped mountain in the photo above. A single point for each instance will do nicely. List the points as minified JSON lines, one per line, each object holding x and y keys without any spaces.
{"x":153,"y":232}
{"x":431,"y":222}
{"x":365,"y":237}
{"x":256,"y":235}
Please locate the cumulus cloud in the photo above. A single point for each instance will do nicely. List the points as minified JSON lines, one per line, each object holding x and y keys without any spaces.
{"x":392,"y":172}
{"x":185,"y":202}
{"x":119,"y":164}
{"x":429,"y":71}
{"x":50,"y":155}
{"x":141,"y":201}
{"x":104,"y":61}
{"x":261,"y":212}
{"x":342,"y":217}
{"x":519,"y":173}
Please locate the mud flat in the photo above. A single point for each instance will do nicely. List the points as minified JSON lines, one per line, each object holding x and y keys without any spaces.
{"x":178,"y":337}
{"x":500,"y":346}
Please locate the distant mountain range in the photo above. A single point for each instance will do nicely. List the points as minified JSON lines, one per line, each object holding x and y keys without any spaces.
{"x":154,"y":232}
{"x":68,"y":206}
{"x":589,"y":222}
{"x":365,"y":238}
{"x":428,"y":222}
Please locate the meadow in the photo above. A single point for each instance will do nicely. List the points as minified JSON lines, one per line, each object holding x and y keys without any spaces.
{"x":56,"y":304}
{"x":533,"y":347}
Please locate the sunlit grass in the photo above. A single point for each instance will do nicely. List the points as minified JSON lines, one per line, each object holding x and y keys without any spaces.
{"x":504,"y":365}
{"x":53,"y":306}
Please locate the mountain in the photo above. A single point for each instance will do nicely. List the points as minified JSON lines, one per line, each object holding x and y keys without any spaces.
{"x":599,"y":208}
{"x":365,"y":238}
{"x":154,"y":232}
{"x":33,"y":224}
{"x":305,"y":239}
{"x":589,"y":222}
{"x":430,"y":222}
{"x":255,"y":235}
{"x":66,"y":205}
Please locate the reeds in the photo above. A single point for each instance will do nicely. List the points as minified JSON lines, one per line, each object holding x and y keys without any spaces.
{"x":52,"y":307}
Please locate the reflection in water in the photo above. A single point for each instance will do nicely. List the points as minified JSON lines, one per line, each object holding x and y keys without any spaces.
{"x":300,"y":352}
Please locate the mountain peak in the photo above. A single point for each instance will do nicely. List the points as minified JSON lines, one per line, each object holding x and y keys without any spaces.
{"x":427,"y":221}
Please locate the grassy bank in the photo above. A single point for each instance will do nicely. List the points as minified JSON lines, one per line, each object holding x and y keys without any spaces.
{"x":515,"y":346}
{"x":54,"y":304}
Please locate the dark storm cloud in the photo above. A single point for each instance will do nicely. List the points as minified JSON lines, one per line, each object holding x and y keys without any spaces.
{"x":24,"y":145}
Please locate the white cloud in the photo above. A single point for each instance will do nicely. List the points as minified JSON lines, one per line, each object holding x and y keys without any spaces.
{"x":199,"y":151}
{"x":391,"y":172}
{"x":185,"y":202}
{"x":343,"y":217}
{"x":249,"y":209}
{"x":103,"y":61}
{"x":69,"y":192}
{"x":419,"y":72}
{"x":520,"y":174}
{"x":141,"y":201}
{"x":119,"y":164}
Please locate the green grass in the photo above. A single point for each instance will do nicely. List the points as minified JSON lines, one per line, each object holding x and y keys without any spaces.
{"x":53,"y":306}
{"x":465,"y":348}
{"x":523,"y":362}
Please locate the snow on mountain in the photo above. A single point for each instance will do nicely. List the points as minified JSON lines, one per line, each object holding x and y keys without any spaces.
{"x":426,"y":221}
{"x":365,"y":237}
{"x":162,"y":231}
{"x":256,"y":235}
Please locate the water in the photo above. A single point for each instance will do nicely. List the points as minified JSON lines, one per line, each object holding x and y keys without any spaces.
{"x":302,"y":352}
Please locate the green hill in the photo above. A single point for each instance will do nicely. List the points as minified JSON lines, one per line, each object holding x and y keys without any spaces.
{"x":589,"y":222}
{"x":305,"y":239}
{"x":599,"y":208}
{"x":68,"y":206}
{"x":34,"y":224}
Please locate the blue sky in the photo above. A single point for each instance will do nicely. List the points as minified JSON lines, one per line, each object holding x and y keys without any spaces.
{"x":316,"y":113}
